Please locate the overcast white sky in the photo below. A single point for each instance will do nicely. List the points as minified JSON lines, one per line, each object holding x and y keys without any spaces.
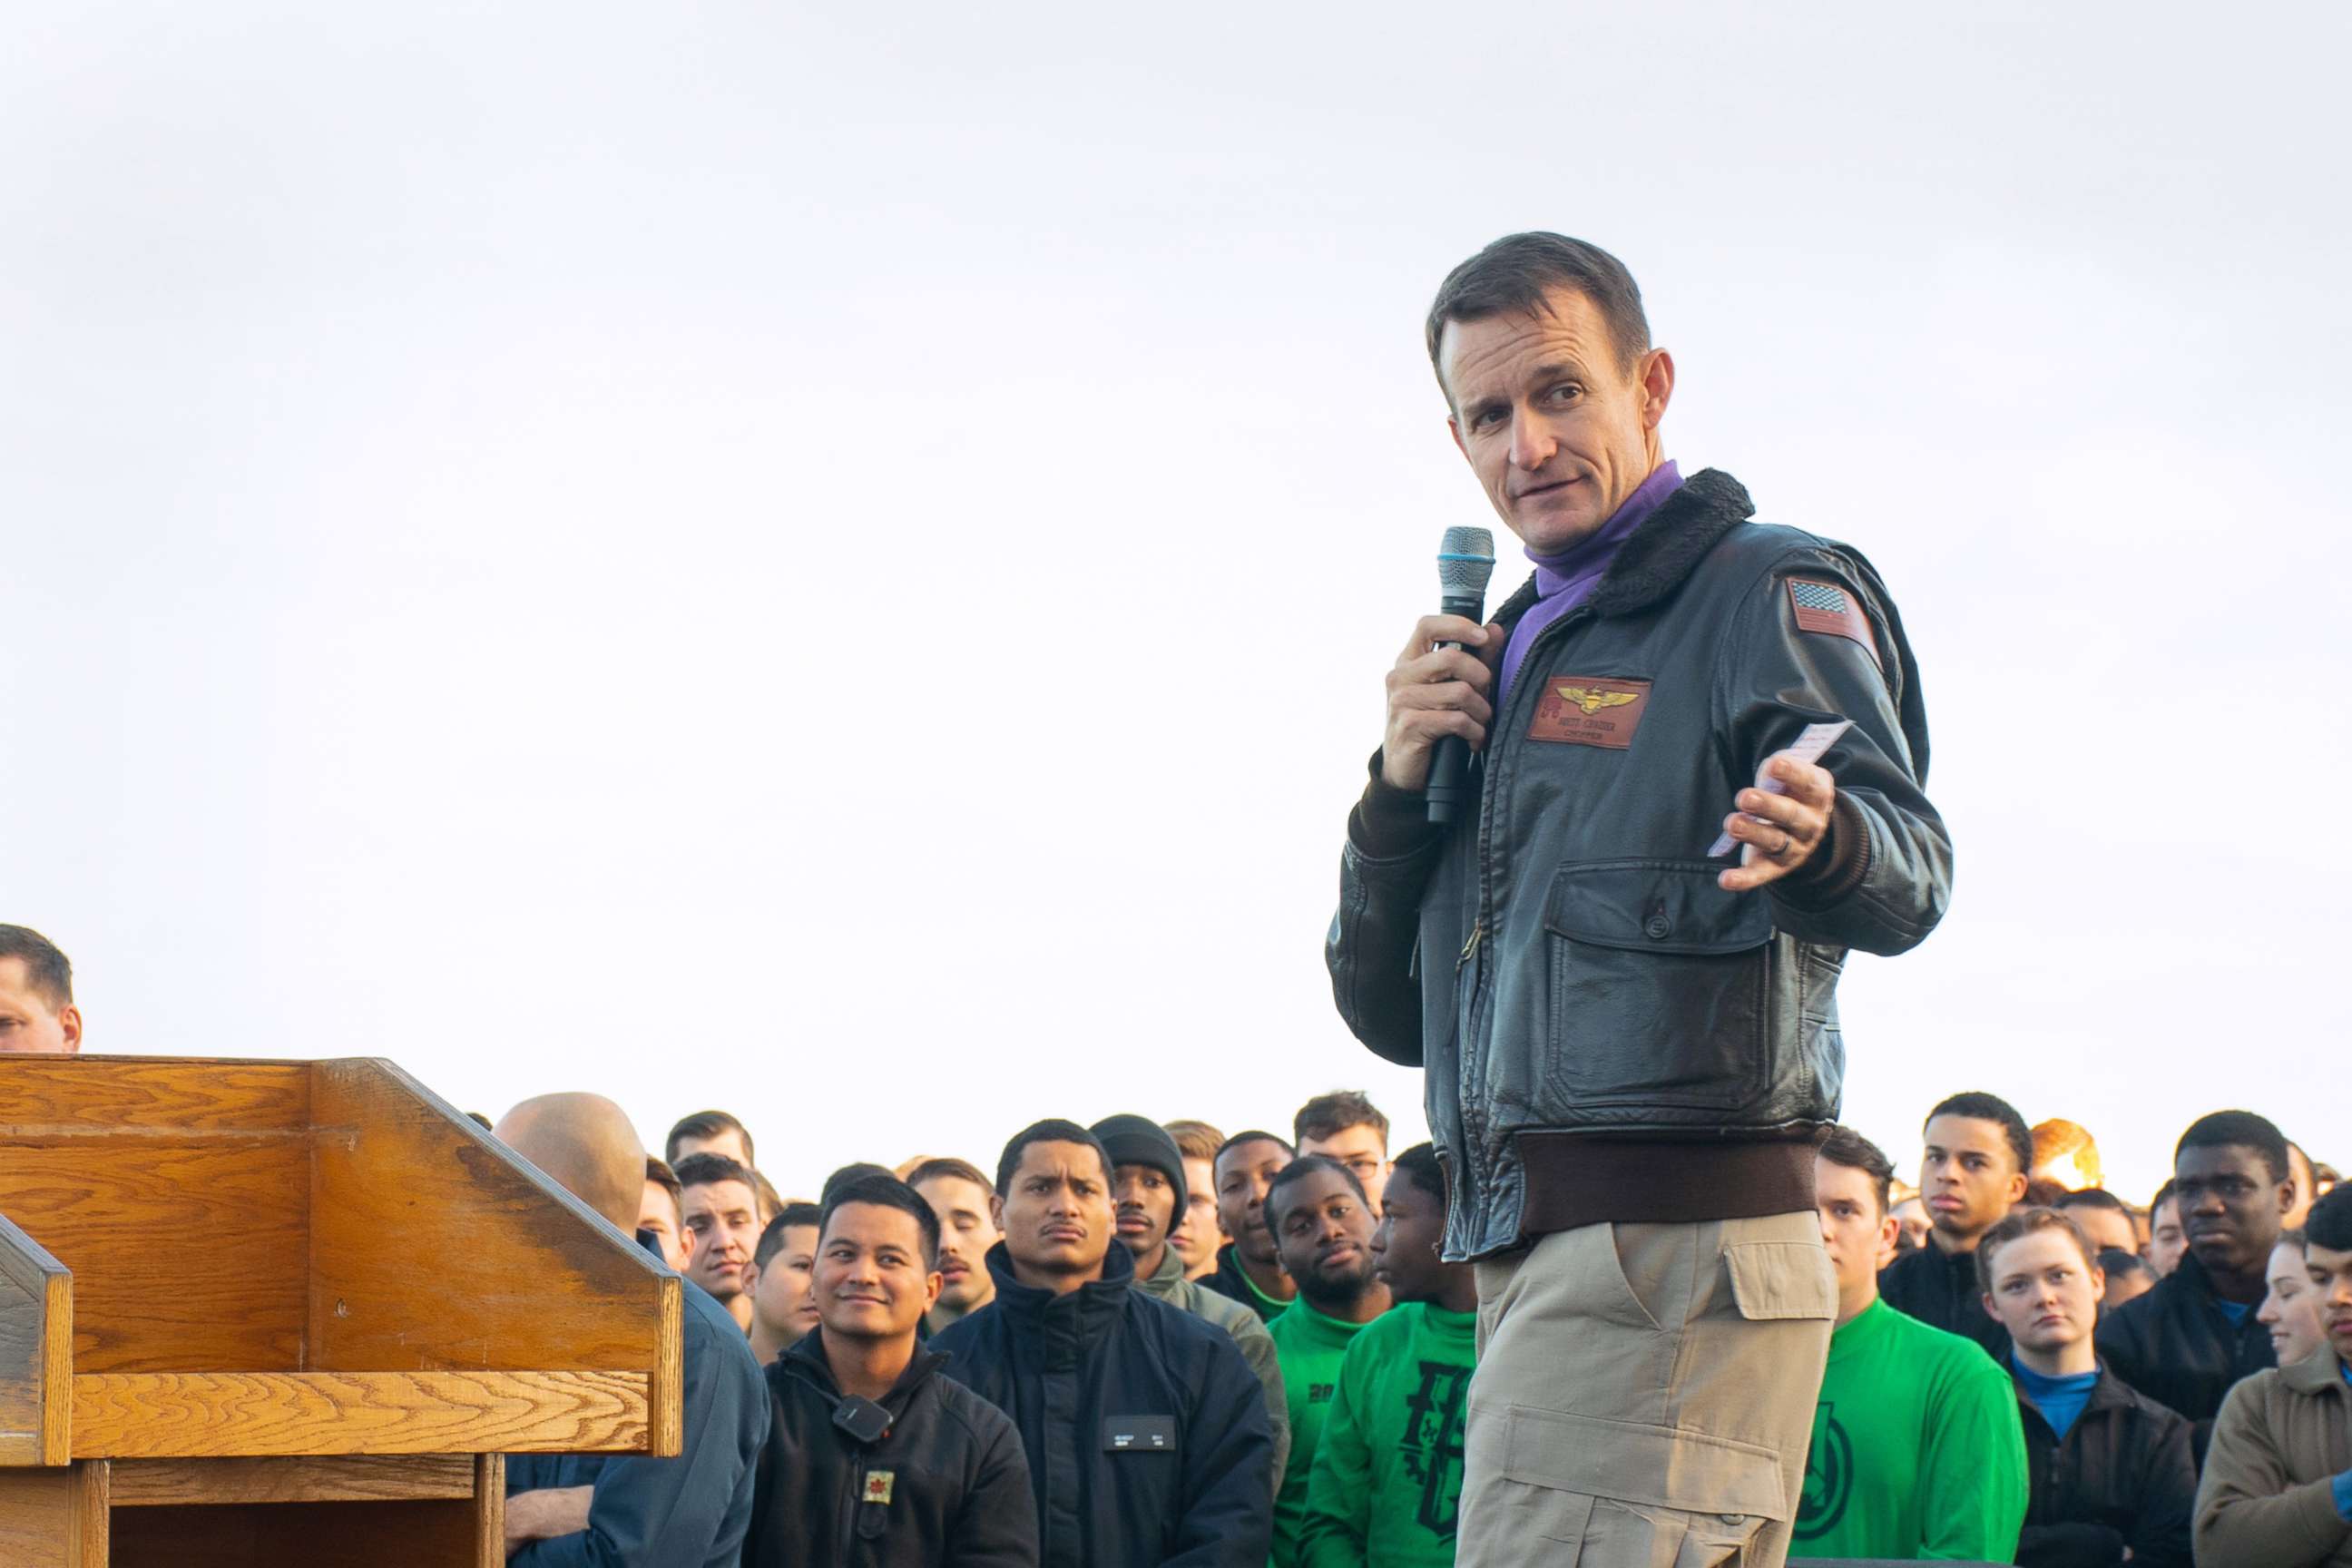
{"x":837,"y":560}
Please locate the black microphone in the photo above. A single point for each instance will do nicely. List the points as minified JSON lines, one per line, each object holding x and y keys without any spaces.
{"x":1464,"y":561}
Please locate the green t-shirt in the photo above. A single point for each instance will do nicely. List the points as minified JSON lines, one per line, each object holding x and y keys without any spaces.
{"x":1310,"y":1347}
{"x":1917,"y":1449}
{"x":1386,"y":1485}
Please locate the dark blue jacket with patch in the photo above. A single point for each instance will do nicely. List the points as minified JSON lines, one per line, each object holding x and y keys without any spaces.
{"x":1146,"y":1431}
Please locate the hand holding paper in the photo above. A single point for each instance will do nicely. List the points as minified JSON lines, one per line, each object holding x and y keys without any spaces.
{"x":1782,"y":820}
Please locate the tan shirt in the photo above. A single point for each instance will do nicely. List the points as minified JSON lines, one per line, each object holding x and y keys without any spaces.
{"x":2268,"y":1495}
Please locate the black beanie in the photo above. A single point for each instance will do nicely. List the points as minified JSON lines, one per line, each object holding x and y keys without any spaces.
{"x":1139,"y":1140}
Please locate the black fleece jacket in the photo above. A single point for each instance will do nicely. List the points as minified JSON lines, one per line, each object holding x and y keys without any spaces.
{"x":946,"y":1487}
{"x":2176,"y":1345}
{"x":2121,"y":1476}
{"x":1941,"y":1289}
{"x":1147,"y":1433}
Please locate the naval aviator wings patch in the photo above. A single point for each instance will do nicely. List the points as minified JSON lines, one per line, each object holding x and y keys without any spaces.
{"x":1589,"y":711}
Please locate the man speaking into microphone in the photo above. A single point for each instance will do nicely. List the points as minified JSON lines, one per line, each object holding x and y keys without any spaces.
{"x":1629,"y":1023}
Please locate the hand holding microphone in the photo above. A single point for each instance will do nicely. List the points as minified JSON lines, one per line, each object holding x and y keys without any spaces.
{"x":1438,"y":709}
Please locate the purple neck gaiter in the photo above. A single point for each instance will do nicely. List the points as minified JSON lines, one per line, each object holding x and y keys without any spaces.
{"x":1564,"y":581}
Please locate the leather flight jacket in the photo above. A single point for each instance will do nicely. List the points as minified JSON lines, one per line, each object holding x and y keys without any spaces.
{"x":1607,"y":1034}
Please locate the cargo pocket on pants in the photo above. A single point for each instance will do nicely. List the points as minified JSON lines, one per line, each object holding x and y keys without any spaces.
{"x":1779,"y":1279}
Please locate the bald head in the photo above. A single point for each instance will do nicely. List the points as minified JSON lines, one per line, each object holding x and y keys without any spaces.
{"x":584,"y":1141}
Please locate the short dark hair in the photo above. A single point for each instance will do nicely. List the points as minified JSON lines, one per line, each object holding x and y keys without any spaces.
{"x":2023,"y":1221}
{"x":855,"y":1171}
{"x":2329,"y":1223}
{"x":947,"y":1165}
{"x":1978,"y":1106}
{"x":1255,"y":1135}
{"x":1327,"y":1115}
{"x":1195,"y":1140}
{"x":1302,"y":1167}
{"x":49,"y":974}
{"x":706,"y":1124}
{"x":2163,"y":1196}
{"x":705,"y":1169}
{"x":1053,"y":1130}
{"x":1515,"y":273}
{"x":885,"y":1191}
{"x":1419,"y":1165}
{"x":2239,"y":1129}
{"x":771,"y":1238}
{"x":1846,"y":1147}
{"x":2093,"y":1198}
{"x":2117,"y":1264}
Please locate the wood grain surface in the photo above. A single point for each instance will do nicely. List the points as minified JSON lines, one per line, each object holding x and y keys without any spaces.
{"x":188,"y":1249}
{"x":435,"y":1247}
{"x":136,"y":1416}
{"x":356,"y":1477}
{"x":35,"y":1352}
{"x":106,"y":1095}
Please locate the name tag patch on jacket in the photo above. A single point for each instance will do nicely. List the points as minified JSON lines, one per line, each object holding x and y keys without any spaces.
{"x":1139,"y":1434}
{"x":1589,"y":711}
{"x":1826,"y":608}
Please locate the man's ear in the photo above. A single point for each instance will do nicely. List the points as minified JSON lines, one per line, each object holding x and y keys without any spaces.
{"x":1657,"y":378}
{"x":2017,"y":1186}
{"x":996,"y":1212}
{"x":2285,"y":1192}
{"x":933,"y":1282}
{"x":1890,"y":1231}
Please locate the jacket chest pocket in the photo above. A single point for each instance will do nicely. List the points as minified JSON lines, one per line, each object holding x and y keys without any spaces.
{"x":1661,"y":986}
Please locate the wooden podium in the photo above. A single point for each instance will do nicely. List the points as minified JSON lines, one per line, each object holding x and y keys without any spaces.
{"x":258,"y":1312}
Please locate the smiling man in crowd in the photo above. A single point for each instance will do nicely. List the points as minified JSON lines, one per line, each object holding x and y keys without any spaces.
{"x":2187,"y":1341}
{"x":2278,"y":1482}
{"x":1323,"y":1223}
{"x":1145,"y":1434}
{"x":877,"y":1459}
{"x":1971,"y":1174}
{"x":2113,"y":1478}
{"x":1386,"y":1485}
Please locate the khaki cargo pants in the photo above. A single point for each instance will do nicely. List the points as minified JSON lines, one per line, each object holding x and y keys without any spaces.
{"x":1644,"y":1395}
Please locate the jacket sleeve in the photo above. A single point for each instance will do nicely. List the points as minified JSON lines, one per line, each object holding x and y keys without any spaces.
{"x":1389,"y":852}
{"x":997,"y":1526}
{"x":2248,"y":1510}
{"x":1882,"y":880}
{"x":1338,"y":1524}
{"x":2167,"y":1501}
{"x":1228,"y":1521}
{"x":1973,"y":1468}
{"x":1257,"y":1349}
{"x":657,"y":1513}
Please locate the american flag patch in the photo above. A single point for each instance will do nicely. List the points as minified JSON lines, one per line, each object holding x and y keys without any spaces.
{"x":1829,"y":609}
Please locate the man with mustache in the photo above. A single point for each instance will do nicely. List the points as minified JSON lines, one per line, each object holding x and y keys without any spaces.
{"x":1147,"y":1437}
{"x":2278,"y":1480}
{"x":1150,"y":1194}
{"x":1322,"y":1225}
{"x":875,"y":1459}
{"x":2188,"y":1340}
{"x":960,"y":1194}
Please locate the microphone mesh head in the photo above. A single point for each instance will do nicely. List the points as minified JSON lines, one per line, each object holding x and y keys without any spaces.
{"x":1464,"y":561}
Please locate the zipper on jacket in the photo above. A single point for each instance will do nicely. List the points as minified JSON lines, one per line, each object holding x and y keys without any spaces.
{"x":1471,"y":946}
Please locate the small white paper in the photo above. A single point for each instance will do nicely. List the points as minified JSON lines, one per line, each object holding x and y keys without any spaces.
{"x":1807,"y":748}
